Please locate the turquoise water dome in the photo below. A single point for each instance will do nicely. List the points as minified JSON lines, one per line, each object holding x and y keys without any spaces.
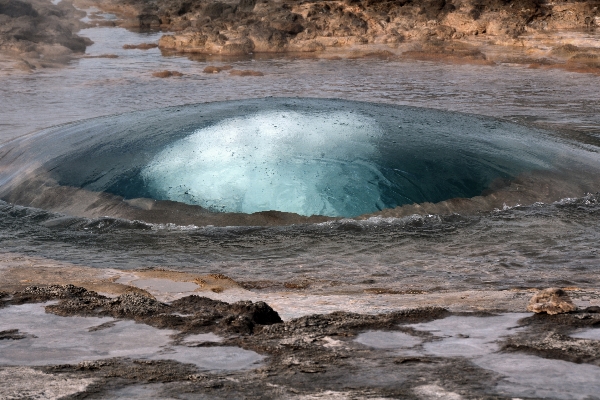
{"x":305,"y":156}
{"x":308,"y":164}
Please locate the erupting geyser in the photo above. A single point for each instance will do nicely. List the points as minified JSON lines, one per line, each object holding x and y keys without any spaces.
{"x":303,"y":156}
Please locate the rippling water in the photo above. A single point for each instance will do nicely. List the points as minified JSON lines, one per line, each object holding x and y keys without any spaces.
{"x":555,"y":243}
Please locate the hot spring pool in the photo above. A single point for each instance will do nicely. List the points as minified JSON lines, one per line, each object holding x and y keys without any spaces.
{"x":300,"y":156}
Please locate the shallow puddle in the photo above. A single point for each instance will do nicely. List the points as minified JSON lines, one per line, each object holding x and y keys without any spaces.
{"x":202,"y":338}
{"x":593,"y":334}
{"x":387,"y":340}
{"x":50,"y":339}
{"x":535,"y":377}
{"x":523,"y":375}
{"x":476,"y":338}
{"x":469,"y":336}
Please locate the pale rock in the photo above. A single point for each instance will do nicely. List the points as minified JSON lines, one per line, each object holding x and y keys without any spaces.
{"x":552,"y":301}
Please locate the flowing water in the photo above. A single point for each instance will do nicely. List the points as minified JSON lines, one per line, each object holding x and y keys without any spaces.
{"x":541,"y":124}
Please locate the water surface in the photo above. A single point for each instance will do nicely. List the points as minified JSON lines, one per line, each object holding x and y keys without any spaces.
{"x":536,"y":244}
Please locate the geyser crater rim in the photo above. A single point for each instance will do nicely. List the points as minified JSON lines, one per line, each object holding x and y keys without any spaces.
{"x":449,"y":141}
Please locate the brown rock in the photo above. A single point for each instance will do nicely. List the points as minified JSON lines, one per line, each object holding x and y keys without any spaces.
{"x":142,"y":46}
{"x":290,"y":27}
{"x":166,"y":74}
{"x":242,"y":47}
{"x":552,"y":301}
{"x":220,"y":27}
{"x":211,"y":69}
{"x":103,"y":56}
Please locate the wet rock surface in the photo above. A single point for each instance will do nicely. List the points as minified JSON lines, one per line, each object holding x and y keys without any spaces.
{"x":308,"y":355}
{"x":549,"y":336}
{"x":39,"y":33}
{"x":315,"y":355}
{"x":191,"y":314}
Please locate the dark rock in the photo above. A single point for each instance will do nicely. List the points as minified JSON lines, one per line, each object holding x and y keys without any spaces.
{"x":246,"y":5}
{"x":16,"y":9}
{"x":548,"y":336}
{"x":340,"y":323}
{"x":216,"y":10}
{"x":201,"y":313}
{"x":555,"y":345}
{"x":36,"y":294}
{"x":290,"y":25}
{"x":259,"y":313}
{"x":11,"y":334}
{"x":256,"y":313}
{"x":37,"y":29}
{"x":148,"y":21}
{"x":128,"y":305}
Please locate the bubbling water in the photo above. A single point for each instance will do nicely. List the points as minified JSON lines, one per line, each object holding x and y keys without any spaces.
{"x":285,"y":161}
{"x":304,"y":157}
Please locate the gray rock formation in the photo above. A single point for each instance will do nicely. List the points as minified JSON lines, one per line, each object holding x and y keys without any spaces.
{"x":39,"y":32}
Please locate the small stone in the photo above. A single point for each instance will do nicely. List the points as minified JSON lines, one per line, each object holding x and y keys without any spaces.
{"x":166,"y":74}
{"x":212,"y":70}
{"x":552,"y":301}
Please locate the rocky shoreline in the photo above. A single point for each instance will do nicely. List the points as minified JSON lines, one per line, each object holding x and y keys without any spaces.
{"x":541,"y":34}
{"x":464,"y":31}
